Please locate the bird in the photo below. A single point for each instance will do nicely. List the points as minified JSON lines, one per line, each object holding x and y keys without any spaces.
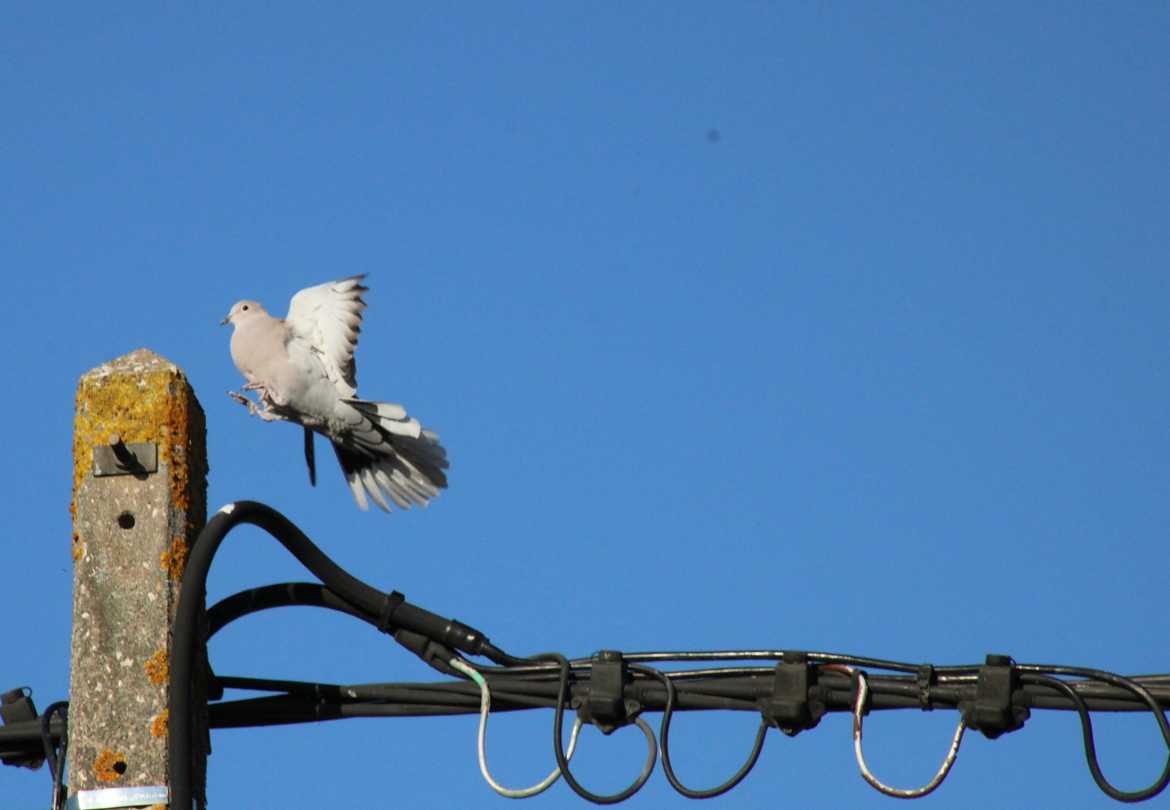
{"x":302,"y":370}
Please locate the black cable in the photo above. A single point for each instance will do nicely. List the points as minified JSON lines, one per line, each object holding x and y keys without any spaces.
{"x":1129,"y":684}
{"x":664,"y":745}
{"x":737,"y":694}
{"x":1090,"y":746}
{"x":558,"y":745}
{"x":392,"y":611}
{"x":55,"y":752}
{"x":545,"y":680}
{"x":284,"y":594}
{"x":1087,"y":735}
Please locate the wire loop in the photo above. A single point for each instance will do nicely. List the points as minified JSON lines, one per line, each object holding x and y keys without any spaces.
{"x":866,"y":774}
{"x":481,"y":740}
{"x":1087,"y":732}
{"x":664,"y":744}
{"x":563,"y":761}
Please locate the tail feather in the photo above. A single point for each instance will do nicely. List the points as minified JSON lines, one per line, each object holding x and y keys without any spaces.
{"x":389,"y":454}
{"x":388,"y":416}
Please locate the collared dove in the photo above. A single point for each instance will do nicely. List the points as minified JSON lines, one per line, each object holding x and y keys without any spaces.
{"x":302,"y":369}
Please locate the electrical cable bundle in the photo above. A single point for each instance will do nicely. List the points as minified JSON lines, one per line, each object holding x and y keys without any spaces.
{"x":789,"y":690}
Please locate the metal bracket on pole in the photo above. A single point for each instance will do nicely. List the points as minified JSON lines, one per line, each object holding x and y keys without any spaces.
{"x":119,"y":458}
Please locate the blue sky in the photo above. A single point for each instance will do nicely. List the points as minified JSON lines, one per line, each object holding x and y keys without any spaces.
{"x":831,"y":326}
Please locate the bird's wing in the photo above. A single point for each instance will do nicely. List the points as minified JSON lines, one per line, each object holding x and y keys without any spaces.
{"x":329,"y":318}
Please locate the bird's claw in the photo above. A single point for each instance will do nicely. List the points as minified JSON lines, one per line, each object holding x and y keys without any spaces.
{"x":266,"y":413}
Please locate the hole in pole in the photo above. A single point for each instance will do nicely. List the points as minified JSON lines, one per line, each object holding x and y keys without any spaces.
{"x":126,"y":520}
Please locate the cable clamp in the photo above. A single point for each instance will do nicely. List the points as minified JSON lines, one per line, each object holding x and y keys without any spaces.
{"x":993,"y":711}
{"x":16,"y":706}
{"x":604,"y":704}
{"x":797,"y":702}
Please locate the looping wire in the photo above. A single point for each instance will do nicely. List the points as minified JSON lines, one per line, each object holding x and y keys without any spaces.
{"x":1082,"y":710}
{"x":563,"y":761}
{"x":485,"y":704}
{"x":858,"y":712}
{"x":664,"y":744}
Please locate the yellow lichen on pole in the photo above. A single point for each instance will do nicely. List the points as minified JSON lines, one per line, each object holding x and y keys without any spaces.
{"x":139,"y":496}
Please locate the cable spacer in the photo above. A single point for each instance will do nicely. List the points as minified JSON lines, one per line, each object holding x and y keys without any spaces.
{"x":797,"y":702}
{"x":604,"y":704}
{"x":993,"y":711}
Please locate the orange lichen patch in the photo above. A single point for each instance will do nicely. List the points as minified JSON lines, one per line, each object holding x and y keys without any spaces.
{"x":158,"y":668}
{"x":143,"y":398}
{"x":184,"y":448}
{"x":158,"y":726}
{"x":78,"y":549}
{"x":109,"y":766}
{"x":174,"y":559}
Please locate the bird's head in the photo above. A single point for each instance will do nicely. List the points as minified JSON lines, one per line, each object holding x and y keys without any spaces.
{"x":241,"y":311}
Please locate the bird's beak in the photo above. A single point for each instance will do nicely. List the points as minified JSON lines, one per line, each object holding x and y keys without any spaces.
{"x":224,"y":322}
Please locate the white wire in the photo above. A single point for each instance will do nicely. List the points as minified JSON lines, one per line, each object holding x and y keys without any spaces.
{"x":485,"y":704}
{"x":898,"y":793}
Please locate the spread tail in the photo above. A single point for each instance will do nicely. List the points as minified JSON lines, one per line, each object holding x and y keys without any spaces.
{"x":388,"y":454}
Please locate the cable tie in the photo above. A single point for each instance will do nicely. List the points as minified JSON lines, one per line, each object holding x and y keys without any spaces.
{"x":925,"y":680}
{"x":386,"y":615}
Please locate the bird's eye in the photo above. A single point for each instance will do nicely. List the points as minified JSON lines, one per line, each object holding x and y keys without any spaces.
{"x":244,"y":308}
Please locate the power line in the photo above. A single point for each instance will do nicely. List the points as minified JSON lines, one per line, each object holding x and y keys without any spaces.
{"x":790,"y":690}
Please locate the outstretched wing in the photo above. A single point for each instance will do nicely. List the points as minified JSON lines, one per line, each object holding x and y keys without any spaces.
{"x":329,"y":318}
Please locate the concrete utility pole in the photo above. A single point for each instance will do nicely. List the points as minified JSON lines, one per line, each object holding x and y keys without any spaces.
{"x":139,"y":500}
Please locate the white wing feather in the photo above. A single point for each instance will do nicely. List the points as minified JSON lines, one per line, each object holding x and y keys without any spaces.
{"x":329,"y":318}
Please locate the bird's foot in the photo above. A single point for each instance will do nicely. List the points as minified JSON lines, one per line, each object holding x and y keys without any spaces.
{"x":243,"y":400}
{"x":266,"y":395}
{"x":254,"y":409}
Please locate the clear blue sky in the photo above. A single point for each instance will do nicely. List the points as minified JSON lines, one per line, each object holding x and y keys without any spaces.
{"x":836,"y":326}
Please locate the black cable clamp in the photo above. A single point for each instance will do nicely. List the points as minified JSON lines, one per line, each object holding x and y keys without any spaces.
{"x":17,"y":706}
{"x":797,"y":701}
{"x":993,"y":711}
{"x":604,"y":703}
